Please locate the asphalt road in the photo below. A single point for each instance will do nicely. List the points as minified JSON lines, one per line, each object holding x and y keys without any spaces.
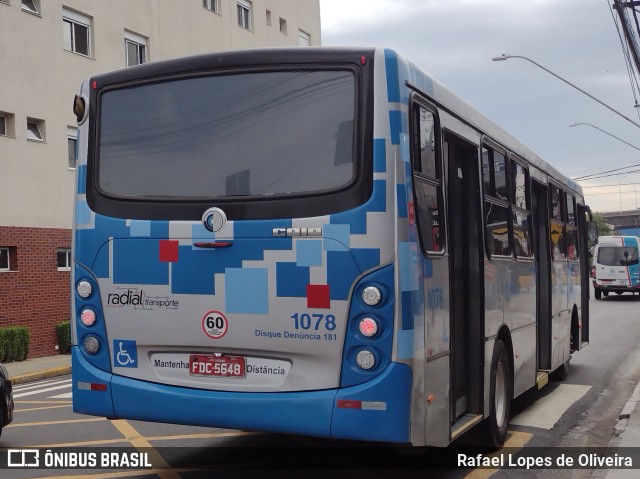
{"x":580,"y":411}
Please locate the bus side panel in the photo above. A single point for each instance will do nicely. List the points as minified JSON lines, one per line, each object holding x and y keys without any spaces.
{"x":437,"y":423}
{"x":520,"y":316}
{"x":561,"y":314}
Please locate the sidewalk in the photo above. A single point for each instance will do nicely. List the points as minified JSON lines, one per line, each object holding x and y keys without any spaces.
{"x":627,"y":434}
{"x":39,"y":368}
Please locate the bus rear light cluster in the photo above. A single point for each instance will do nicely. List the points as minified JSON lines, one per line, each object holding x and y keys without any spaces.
{"x":365,"y":359}
{"x":91,"y":344}
{"x":84,"y":289}
{"x":88,"y":317}
{"x":368,"y":327}
{"x":371,"y":296}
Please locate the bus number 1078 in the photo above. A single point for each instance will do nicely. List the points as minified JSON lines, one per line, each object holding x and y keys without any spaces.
{"x":315,"y":321}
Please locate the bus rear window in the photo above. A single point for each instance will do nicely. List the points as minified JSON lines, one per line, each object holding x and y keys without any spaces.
{"x":263,"y":134}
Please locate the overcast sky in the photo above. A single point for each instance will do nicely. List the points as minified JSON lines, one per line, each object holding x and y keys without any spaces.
{"x":454,"y":41}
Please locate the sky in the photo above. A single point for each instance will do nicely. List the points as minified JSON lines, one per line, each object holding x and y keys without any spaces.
{"x":455,"y":40}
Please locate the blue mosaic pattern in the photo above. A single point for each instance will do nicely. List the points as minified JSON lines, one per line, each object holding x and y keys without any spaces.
{"x":144,"y":252}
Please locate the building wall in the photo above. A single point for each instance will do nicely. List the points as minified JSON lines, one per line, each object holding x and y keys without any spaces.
{"x":34,"y":293}
{"x":39,"y":79}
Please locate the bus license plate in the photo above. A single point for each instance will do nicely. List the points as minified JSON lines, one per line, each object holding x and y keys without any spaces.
{"x":217,"y":366}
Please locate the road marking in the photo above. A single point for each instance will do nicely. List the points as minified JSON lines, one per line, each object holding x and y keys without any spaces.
{"x":148,"y":438}
{"x":203,"y":436}
{"x":547,"y":411}
{"x":39,"y":391}
{"x":40,"y":408}
{"x":52,"y":423}
{"x":97,"y":442}
{"x":140,"y":442}
{"x":517,"y":440}
{"x":137,"y":473}
{"x":62,"y":396}
{"x":39,"y":384}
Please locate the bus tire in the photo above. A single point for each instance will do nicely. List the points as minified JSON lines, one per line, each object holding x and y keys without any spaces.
{"x":501,"y":391}
{"x":598,"y":293}
{"x":562,"y":372}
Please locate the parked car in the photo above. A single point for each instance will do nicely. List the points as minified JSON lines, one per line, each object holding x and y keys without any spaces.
{"x":6,"y":398}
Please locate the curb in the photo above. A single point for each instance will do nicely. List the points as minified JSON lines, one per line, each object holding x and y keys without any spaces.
{"x":38,"y":375}
{"x":627,"y":410}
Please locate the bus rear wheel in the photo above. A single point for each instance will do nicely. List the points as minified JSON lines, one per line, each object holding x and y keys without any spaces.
{"x":501,"y":391}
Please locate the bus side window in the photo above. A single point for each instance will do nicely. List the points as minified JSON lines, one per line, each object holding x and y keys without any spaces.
{"x":496,"y":202}
{"x":521,"y":211}
{"x":571,"y":235}
{"x":557,"y":224}
{"x":427,"y":179}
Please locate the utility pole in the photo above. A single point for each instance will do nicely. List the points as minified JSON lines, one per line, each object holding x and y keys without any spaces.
{"x":619,"y":6}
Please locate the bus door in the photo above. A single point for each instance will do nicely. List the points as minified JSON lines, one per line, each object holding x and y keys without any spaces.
{"x":540,"y":214}
{"x":466,"y":266}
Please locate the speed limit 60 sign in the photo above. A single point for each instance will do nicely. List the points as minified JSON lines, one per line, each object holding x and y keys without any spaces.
{"x":215,"y":324}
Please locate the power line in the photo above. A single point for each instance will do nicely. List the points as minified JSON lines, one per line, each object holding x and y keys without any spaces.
{"x":603,"y":175}
{"x":606,"y":186}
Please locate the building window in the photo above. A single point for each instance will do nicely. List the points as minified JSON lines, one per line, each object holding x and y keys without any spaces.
{"x":304,"y":39}
{"x":135,"y":49}
{"x":72,"y":146}
{"x":77,"y":30}
{"x":35,"y":129}
{"x":64,"y":259}
{"x":213,"y":5}
{"x":268,"y":18}
{"x":244,"y":14}
{"x":5,"y":262}
{"x":283,"y":26}
{"x":7,"y":124}
{"x":31,"y":6}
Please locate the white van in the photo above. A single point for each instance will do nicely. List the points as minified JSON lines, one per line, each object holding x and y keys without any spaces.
{"x":615,"y":265}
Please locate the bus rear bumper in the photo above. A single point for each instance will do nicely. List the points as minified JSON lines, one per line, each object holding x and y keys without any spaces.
{"x":378,"y":410}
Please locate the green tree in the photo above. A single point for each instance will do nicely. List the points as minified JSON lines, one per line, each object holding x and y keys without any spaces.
{"x":603,"y":228}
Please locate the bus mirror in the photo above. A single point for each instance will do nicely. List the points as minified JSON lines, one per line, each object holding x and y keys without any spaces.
{"x":79,"y":108}
{"x":592,"y":231}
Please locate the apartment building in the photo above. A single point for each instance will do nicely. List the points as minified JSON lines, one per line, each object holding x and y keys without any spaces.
{"x":47,"y":48}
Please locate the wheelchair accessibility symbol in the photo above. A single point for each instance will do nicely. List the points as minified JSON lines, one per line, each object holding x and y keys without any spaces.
{"x":125,"y":353}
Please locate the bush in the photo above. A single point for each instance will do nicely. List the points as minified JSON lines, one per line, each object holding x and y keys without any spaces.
{"x":14,"y":343}
{"x":63,"y":331}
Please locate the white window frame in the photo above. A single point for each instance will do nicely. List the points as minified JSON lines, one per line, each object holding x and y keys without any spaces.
{"x":304,"y":38}
{"x":245,"y":20}
{"x":268,"y":18}
{"x":140,"y":42}
{"x":8,"y":253}
{"x":27,"y":8}
{"x":75,"y":18}
{"x":67,"y":266}
{"x":212,"y":5}
{"x":35,"y":134}
{"x":9,"y":124}
{"x":72,"y":135}
{"x":283,"y":26}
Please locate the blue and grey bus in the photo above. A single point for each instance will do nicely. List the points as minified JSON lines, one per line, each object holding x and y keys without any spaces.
{"x":318,"y":241}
